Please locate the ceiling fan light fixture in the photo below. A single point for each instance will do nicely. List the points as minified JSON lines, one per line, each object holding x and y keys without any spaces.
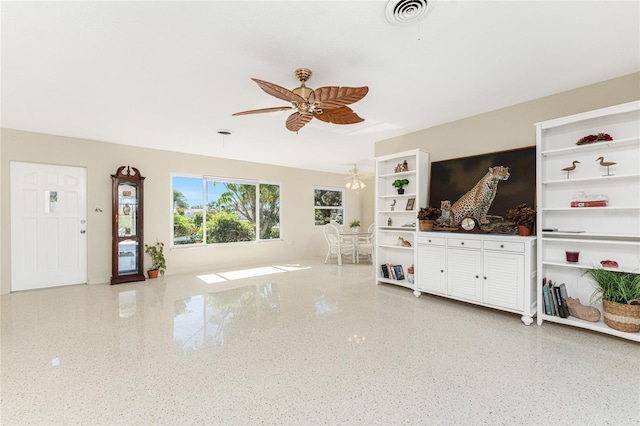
{"x":355,"y":184}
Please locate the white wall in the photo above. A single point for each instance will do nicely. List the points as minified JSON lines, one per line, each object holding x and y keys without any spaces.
{"x":301,"y":238}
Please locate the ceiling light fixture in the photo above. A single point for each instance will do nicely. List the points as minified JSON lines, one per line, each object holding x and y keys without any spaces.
{"x":399,"y":12}
{"x":355,"y":183}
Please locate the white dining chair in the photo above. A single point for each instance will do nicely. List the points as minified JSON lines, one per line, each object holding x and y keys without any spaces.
{"x":365,"y":246}
{"x":338,"y":244}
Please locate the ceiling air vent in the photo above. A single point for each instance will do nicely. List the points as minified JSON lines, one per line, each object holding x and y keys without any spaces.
{"x":407,"y":11}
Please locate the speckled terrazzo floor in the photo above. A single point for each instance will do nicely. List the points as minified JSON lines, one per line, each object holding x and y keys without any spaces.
{"x":306,"y":344}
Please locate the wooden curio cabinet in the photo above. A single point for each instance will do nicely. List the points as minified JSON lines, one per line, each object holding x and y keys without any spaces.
{"x":127,"y":239}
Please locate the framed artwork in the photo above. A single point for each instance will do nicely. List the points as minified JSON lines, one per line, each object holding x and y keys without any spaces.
{"x":410,"y":203}
{"x":451,"y":179}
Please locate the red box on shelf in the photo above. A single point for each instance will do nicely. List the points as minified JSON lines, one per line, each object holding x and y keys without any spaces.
{"x":595,"y":203}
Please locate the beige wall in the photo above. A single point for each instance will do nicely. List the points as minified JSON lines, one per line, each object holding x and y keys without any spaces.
{"x":503,"y":129}
{"x":511,"y":127}
{"x":301,"y":239}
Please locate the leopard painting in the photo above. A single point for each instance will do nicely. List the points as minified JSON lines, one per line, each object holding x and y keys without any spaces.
{"x":477,"y":201}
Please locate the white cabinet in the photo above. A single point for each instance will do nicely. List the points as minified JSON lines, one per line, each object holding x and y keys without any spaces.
{"x":464,"y":269}
{"x":610,"y":232}
{"x":396,"y":214}
{"x":430,"y":276}
{"x":493,"y":270}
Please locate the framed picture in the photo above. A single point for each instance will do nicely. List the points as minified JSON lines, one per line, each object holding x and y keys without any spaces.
{"x":451,"y":179}
{"x":410,"y":204}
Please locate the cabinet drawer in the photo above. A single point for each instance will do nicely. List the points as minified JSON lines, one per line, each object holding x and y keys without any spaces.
{"x":464,"y":243}
{"x":512,"y":246}
{"x":431,"y":241}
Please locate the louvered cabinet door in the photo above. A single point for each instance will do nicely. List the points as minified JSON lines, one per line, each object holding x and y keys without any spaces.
{"x":503,"y":275}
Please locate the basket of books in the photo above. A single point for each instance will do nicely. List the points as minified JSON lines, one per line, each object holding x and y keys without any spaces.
{"x":621,"y":316}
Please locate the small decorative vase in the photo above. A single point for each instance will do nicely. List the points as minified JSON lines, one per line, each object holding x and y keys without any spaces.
{"x":426,"y":225}
{"x":355,"y":230}
{"x":524,"y":231}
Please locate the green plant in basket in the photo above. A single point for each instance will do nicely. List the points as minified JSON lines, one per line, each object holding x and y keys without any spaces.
{"x":615,"y":286}
{"x":355,"y":223}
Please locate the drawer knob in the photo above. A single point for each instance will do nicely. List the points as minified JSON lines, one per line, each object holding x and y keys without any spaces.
{"x":501,"y":245}
{"x":461,"y":244}
{"x":477,"y":276}
{"x":429,"y":240}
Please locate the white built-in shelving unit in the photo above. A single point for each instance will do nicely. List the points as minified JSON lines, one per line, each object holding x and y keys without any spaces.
{"x":611,"y":232}
{"x":403,"y":220}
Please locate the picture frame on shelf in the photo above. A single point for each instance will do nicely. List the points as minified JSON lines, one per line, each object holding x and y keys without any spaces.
{"x":410,"y":203}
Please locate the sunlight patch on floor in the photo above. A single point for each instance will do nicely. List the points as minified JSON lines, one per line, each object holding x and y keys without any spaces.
{"x":249,"y":273}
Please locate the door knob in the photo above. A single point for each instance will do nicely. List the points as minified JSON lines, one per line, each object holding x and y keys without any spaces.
{"x":82,"y":231}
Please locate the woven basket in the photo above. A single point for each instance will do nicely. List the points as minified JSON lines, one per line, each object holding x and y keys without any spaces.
{"x":622,"y":317}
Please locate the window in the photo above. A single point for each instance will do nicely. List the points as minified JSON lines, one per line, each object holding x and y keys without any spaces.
{"x":328,"y":205}
{"x":208,"y":210}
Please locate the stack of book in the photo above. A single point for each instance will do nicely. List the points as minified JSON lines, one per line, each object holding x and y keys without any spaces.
{"x":555,"y":298}
{"x":394,"y":272}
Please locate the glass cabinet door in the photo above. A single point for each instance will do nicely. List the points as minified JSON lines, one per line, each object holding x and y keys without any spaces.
{"x":128,"y":232}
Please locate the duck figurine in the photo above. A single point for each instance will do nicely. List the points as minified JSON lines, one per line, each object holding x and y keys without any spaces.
{"x":570,"y":168}
{"x":606,"y":164}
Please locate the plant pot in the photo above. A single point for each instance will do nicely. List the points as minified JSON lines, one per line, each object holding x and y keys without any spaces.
{"x":400,"y":191}
{"x":355,"y":230}
{"x":426,"y":225}
{"x":572,"y":256}
{"x":524,"y":231}
{"x":621,"y":316}
{"x":153,"y":273}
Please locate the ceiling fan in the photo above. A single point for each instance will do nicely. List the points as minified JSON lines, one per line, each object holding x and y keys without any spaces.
{"x":328,"y":103}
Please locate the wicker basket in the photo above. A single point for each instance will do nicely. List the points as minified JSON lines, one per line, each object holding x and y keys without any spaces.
{"x":622,"y":317}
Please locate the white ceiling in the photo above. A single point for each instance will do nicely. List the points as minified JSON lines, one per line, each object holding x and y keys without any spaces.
{"x":168,"y":75}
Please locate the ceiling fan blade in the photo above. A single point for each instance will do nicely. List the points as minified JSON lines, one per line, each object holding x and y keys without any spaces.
{"x":258,"y":111}
{"x":296,"y":121}
{"x":335,"y":97}
{"x":279,"y":91}
{"x":342,"y":115}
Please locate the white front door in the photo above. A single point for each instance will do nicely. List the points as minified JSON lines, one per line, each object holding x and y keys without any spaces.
{"x":48,"y":225}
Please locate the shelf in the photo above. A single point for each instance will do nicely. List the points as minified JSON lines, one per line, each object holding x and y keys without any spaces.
{"x":565,"y":264}
{"x":586,"y":209}
{"x":610,"y":232}
{"x":406,"y":194}
{"x":633,"y":240}
{"x":397,"y":211}
{"x":600,"y":326}
{"x":590,"y":179}
{"x":592,"y":147}
{"x":402,"y":283}
{"x":397,"y":175}
{"x":395,"y":246}
{"x":398,"y":228}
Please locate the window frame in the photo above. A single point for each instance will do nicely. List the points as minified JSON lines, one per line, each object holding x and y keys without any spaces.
{"x":341,"y":207}
{"x":205,"y":179}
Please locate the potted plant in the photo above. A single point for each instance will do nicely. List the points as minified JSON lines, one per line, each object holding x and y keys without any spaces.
{"x":158,"y":264}
{"x":399,"y":184}
{"x":426,"y":216}
{"x":354,"y":225}
{"x":620,"y":295}
{"x":523,"y":216}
